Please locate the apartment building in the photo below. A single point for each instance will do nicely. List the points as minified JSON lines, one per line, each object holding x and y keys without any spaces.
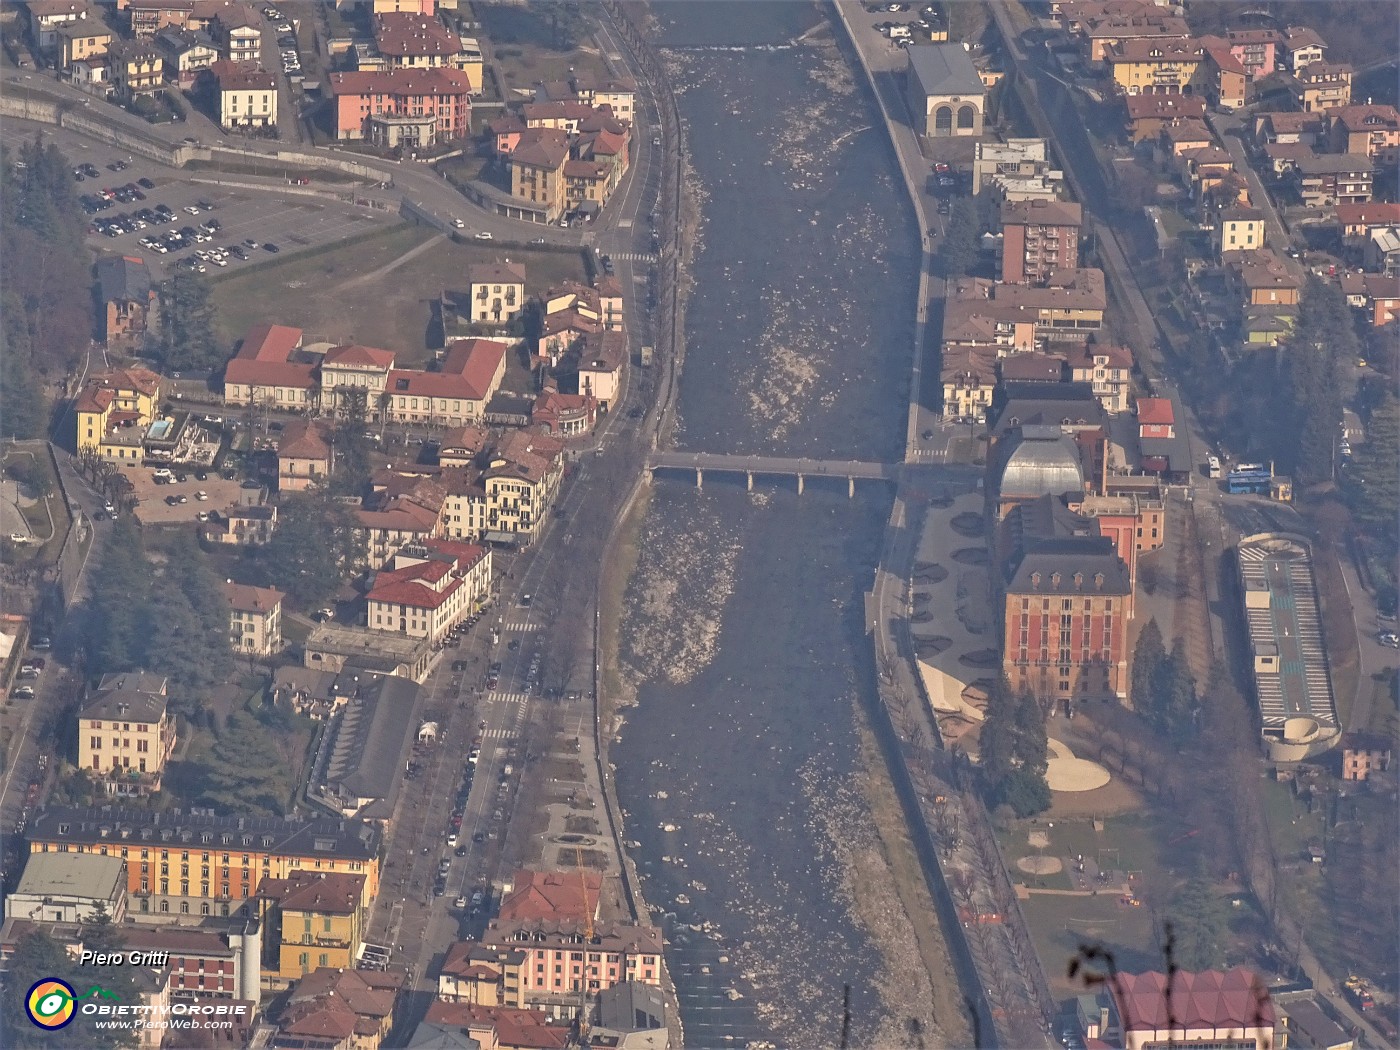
{"x":1365,"y":130}
{"x":311,"y":919}
{"x":137,"y":68}
{"x":537,"y":171}
{"x":1319,"y":86}
{"x":424,"y":591}
{"x":1039,"y":237}
{"x":182,"y":864}
{"x":547,"y":963}
{"x":1256,"y":49}
{"x":255,"y":618}
{"x":247,"y":97}
{"x":496,"y":291}
{"x":404,"y":106}
{"x":125,"y":734}
{"x":46,"y":17}
{"x":1302,"y":46}
{"x":1335,"y":178}
{"x":187,"y":53}
{"x":82,"y":41}
{"x":1154,"y":67}
{"x":114,"y":410}
{"x":415,"y":41}
{"x":1109,"y":372}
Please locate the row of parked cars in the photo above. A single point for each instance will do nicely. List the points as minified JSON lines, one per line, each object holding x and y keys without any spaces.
{"x":31,"y":669}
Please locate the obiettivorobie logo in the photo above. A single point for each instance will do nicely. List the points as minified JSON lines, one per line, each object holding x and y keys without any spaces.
{"x":51,"y":1003}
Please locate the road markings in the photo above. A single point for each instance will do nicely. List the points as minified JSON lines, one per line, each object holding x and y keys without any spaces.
{"x":507,"y":698}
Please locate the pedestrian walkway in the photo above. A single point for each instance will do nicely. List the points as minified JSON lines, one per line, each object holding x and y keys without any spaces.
{"x":645,"y":257}
{"x":498,"y":734}
{"x":521,"y":625}
{"x":507,"y":698}
{"x":929,"y":455}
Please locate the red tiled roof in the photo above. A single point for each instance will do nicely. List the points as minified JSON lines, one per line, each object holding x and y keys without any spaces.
{"x":1155,"y":411}
{"x":476,"y":361}
{"x":1233,"y":999}
{"x":496,"y":273}
{"x":270,"y":373}
{"x":325,"y":892}
{"x":303,"y":440}
{"x":409,"y":592}
{"x":243,"y":79}
{"x":541,"y":148}
{"x":403,"y":34}
{"x":400,"y":82}
{"x":269,"y":342}
{"x":245,"y":598}
{"x":552,"y":895}
{"x":354,"y":354}
{"x":1374,"y":213}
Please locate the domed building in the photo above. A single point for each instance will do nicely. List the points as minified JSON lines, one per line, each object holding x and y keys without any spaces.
{"x":1038,"y":461}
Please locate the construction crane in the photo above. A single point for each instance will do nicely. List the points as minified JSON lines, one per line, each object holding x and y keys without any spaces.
{"x":583,"y":1004}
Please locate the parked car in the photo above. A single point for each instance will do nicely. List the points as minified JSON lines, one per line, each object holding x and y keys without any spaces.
{"x":272,"y":248}
{"x":484,"y":235}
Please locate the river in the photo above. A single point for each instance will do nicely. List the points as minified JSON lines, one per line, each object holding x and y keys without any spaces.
{"x":743,"y":642}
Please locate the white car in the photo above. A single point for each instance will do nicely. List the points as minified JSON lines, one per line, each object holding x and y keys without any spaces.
{"x":451,"y":838}
{"x":192,"y":209}
{"x":459,"y":224}
{"x":484,"y":235}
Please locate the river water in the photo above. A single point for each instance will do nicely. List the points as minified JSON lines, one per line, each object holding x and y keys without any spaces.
{"x":743,"y":637}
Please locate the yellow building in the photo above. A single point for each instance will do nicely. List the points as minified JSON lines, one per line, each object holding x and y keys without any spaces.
{"x":310,"y":919}
{"x":181,"y":863}
{"x":537,"y":171}
{"x":1239,"y":230}
{"x":114,"y":410}
{"x":125,"y":734}
{"x":1154,"y":67}
{"x":79,"y":41}
{"x":137,"y":68}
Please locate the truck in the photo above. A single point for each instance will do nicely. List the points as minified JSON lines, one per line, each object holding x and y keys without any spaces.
{"x":1359,"y":992}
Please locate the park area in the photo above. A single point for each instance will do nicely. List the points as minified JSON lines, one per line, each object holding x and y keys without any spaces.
{"x":381,"y":290}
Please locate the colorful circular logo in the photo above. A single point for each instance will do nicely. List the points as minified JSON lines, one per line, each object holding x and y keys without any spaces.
{"x":50,"y":1003}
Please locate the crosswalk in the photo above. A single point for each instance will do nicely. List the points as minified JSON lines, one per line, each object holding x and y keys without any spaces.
{"x":929,"y":454}
{"x":521,"y":625}
{"x":645,"y":257}
{"x":507,"y":698}
{"x":498,"y":734}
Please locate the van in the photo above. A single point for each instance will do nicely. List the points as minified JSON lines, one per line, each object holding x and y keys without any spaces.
{"x":1213,"y":469}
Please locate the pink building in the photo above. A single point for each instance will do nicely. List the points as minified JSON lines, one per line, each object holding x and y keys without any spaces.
{"x":1257,"y":49}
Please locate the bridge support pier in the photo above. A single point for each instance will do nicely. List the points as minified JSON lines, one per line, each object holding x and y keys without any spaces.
{"x":699,"y":478}
{"x":851,"y":488}
{"x":800,"y":483}
{"x":749,"y":473}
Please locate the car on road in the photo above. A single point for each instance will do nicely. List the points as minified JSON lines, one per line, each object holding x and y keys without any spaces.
{"x":270,"y":247}
{"x":109,"y":508}
{"x":1389,"y":638}
{"x":460,"y":902}
{"x":146,"y":184}
{"x":250,"y":243}
{"x":172,"y":501}
{"x":484,"y":235}
{"x":478,"y":896}
{"x":478,"y":837}
{"x":459,"y":224}
{"x":474,"y":755}
{"x":451,"y":839}
{"x":537,"y":241}
{"x":22,"y":692}
{"x":513,"y":644}
{"x":525,"y":601}
{"x":460,"y":851}
{"x":944,"y":207}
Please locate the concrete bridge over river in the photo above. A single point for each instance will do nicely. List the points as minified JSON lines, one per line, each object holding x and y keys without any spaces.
{"x":751,"y":466}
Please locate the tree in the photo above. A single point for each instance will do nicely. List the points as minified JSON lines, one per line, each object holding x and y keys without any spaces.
{"x":21,"y":400}
{"x":997,"y":740}
{"x":312,"y":549}
{"x":958,"y":252}
{"x":209,"y":659}
{"x":1149,"y":655}
{"x":38,"y":957}
{"x":117,"y":623}
{"x":246,"y":772}
{"x":187,"y":325}
{"x":351,"y":473}
{"x":1032,"y":740}
{"x":1374,"y":477}
{"x":1026,"y":792}
{"x":1199,"y":919}
{"x":1177,"y":701}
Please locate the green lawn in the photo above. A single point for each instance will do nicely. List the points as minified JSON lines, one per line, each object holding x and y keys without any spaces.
{"x":340,"y":297}
{"x":1060,"y":926}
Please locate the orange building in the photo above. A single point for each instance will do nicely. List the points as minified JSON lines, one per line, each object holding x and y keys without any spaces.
{"x":180,"y":864}
{"x":415,"y":107}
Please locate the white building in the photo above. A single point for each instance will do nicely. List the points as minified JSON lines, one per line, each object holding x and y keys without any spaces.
{"x":425,"y":590}
{"x":69,"y":887}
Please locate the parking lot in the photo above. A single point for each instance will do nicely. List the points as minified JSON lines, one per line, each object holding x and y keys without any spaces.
{"x":153,"y":508}
{"x":249,"y":219}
